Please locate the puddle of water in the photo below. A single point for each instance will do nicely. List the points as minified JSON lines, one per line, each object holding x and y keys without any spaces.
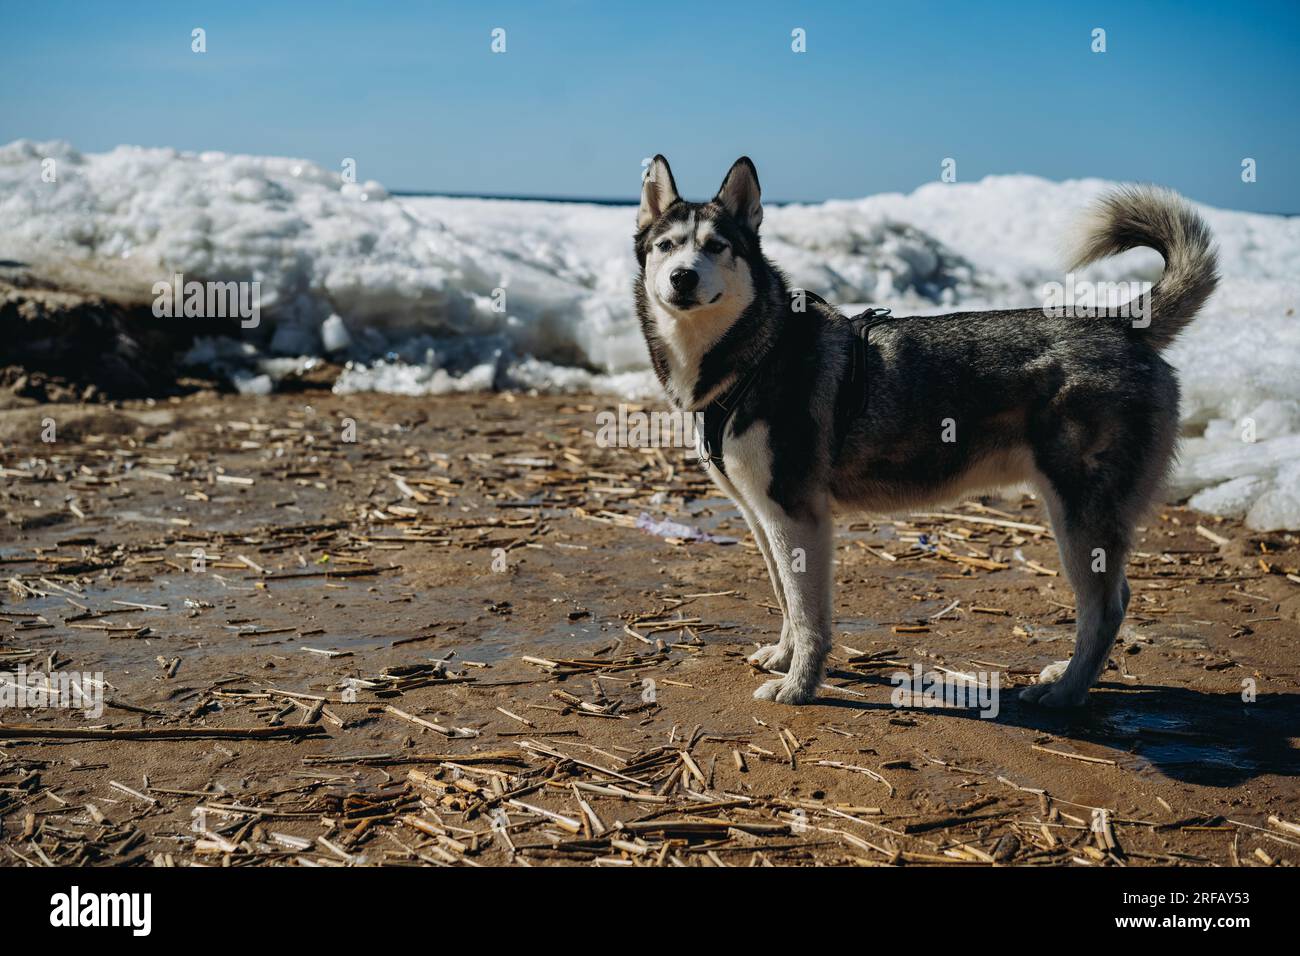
{"x":139,"y":517}
{"x":574,"y":638}
{"x":1165,"y":740}
{"x":219,"y":610}
{"x":580,"y":638}
{"x":859,"y":625}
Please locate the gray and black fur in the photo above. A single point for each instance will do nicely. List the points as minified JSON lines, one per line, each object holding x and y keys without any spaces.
{"x":1083,"y":408}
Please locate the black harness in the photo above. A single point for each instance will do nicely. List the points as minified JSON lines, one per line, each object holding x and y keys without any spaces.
{"x":850,"y":401}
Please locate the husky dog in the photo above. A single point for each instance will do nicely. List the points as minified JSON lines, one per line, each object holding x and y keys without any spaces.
{"x":1084,"y":409}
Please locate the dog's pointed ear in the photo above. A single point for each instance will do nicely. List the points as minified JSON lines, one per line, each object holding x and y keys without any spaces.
{"x":739,"y":193}
{"x":658,"y":192}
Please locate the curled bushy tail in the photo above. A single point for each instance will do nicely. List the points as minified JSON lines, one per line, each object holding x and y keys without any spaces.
{"x":1132,"y":216}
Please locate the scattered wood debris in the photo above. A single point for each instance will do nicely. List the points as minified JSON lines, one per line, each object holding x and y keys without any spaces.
{"x":371,"y":744}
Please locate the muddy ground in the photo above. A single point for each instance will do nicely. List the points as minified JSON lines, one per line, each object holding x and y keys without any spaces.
{"x":472,"y":655}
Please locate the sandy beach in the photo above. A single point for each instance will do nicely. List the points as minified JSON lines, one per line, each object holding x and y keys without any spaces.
{"x":335,"y":630}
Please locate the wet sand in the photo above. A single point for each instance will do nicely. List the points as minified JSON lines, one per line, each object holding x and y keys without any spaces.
{"x":472,"y":655}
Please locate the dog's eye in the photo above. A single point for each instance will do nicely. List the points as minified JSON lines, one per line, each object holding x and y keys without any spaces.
{"x":663,"y":245}
{"x":713,"y":247}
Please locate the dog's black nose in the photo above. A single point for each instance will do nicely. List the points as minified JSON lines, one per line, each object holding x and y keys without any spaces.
{"x":684,"y":280}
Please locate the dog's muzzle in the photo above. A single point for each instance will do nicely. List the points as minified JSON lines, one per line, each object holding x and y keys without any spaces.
{"x":684,"y":281}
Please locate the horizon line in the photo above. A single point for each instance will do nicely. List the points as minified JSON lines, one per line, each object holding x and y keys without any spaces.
{"x":616,"y":201}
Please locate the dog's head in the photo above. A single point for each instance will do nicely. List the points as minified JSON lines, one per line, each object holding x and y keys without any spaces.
{"x":698,"y":259}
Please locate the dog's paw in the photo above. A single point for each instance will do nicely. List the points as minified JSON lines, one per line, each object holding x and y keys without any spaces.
{"x":773,"y":657}
{"x":1050,"y":695}
{"x":1053,"y":672}
{"x":786,"y":691}
{"x":1053,"y":689}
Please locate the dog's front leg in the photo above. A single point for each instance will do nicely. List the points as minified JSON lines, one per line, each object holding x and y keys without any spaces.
{"x":771,"y":656}
{"x":801,"y":551}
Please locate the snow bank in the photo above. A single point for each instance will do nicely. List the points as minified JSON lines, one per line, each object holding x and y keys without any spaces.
{"x":429,"y":295}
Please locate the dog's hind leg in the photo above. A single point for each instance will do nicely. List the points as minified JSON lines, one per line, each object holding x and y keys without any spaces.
{"x":1095,"y":497}
{"x":1093,"y":553}
{"x":770,"y":656}
{"x":802,"y":554}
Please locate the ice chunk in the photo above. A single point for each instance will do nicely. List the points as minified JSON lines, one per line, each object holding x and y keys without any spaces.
{"x":1232,"y":499}
{"x":334,"y":334}
{"x":1278,"y":509}
{"x":295,"y":338}
{"x":253,"y":384}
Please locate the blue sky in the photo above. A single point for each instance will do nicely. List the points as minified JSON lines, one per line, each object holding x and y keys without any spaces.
{"x":885,"y":91}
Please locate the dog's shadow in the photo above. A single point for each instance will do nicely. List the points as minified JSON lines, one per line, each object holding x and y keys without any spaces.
{"x":1209,"y":739}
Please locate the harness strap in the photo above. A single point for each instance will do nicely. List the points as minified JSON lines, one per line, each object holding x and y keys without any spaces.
{"x":716,"y":416}
{"x":850,"y":403}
